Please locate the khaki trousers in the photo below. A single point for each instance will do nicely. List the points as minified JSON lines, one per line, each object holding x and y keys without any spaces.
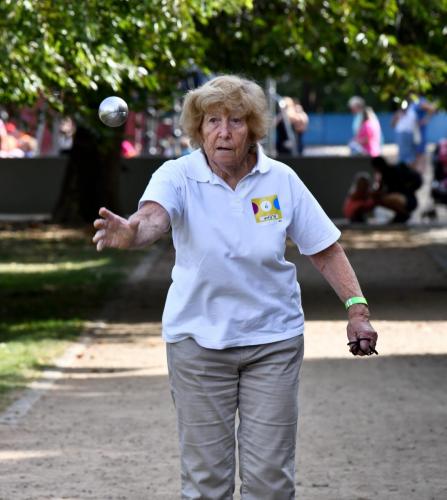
{"x":208,"y":387}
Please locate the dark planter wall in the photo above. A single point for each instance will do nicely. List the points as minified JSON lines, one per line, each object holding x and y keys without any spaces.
{"x":328,"y":178}
{"x":31,"y":186}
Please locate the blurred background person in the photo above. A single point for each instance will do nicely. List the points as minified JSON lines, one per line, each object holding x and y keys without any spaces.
{"x":408,"y":135}
{"x":128,"y":150}
{"x":395,"y":188}
{"x":185,"y":145}
{"x":3,"y":134}
{"x":368,"y":139}
{"x":424,"y":111}
{"x":356,"y":105}
{"x":292,"y":122}
{"x":439,"y":183}
{"x":66,"y":132}
{"x":16,"y":143}
{"x":10,"y":147}
{"x":27,"y":143}
{"x":360,"y":201}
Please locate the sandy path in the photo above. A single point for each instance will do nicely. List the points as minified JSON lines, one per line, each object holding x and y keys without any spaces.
{"x":370,"y":429}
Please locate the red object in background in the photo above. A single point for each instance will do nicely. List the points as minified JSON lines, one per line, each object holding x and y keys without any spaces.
{"x":128,"y":150}
{"x":164,"y":129}
{"x":134,"y":133}
{"x":28,"y":120}
{"x":352,"y":207}
{"x":10,"y":128}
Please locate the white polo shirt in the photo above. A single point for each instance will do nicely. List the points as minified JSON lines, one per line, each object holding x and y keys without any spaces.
{"x":231,"y":285}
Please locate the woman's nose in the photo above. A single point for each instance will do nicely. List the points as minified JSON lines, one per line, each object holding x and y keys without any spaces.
{"x":224,"y":128}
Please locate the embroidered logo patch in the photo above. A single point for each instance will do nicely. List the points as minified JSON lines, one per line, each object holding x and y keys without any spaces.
{"x":266,"y":208}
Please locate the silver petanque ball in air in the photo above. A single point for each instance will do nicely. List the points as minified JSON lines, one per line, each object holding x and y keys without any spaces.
{"x":113,"y":111}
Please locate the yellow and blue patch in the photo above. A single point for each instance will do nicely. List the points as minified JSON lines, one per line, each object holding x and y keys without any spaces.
{"x":266,"y":208}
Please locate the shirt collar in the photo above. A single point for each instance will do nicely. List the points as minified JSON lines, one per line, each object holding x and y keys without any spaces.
{"x":198,"y":169}
{"x":263,"y":163}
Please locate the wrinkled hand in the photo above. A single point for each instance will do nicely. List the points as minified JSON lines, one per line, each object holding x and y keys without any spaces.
{"x":113,"y":231}
{"x":361,"y":336}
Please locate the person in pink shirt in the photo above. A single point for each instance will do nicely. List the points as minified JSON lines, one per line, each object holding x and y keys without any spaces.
{"x":369,"y":135}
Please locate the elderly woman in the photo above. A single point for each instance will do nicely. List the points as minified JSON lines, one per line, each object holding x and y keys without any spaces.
{"x":233,"y":321}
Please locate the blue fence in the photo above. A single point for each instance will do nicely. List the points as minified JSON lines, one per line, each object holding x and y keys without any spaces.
{"x":336,"y":128}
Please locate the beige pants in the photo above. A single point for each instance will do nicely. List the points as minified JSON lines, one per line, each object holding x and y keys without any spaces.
{"x":208,"y":386}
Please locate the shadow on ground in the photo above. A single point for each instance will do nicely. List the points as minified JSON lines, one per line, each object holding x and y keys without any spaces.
{"x":369,"y":429}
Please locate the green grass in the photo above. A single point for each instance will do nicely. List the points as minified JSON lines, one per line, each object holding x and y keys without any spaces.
{"x":51,"y":282}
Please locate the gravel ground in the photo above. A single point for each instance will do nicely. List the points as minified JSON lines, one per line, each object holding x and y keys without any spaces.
{"x":371,"y":428}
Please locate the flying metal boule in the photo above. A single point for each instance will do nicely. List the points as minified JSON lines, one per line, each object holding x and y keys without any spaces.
{"x":113,"y":111}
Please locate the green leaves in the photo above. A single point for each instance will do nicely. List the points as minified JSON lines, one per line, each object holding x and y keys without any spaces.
{"x":386,"y":46}
{"x":74,"y":52}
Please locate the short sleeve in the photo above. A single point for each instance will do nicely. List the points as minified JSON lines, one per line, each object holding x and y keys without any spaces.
{"x":167,"y":187}
{"x":310,"y":229}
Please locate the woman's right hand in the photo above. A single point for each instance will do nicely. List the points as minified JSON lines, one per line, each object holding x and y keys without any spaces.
{"x":114,"y":231}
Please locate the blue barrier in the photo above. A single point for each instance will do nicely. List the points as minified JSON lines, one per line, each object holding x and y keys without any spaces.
{"x":336,"y":128}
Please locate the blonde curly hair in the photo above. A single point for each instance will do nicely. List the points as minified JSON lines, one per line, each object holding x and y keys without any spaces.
{"x":231,"y":93}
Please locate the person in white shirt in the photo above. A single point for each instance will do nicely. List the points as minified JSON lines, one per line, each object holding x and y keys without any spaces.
{"x":233,"y":321}
{"x":405,"y":123}
{"x":357,"y":106}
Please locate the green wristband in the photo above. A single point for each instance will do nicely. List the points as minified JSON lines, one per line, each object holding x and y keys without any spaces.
{"x":355,"y":300}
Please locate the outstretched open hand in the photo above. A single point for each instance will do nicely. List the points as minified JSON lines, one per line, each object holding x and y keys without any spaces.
{"x":113,"y":231}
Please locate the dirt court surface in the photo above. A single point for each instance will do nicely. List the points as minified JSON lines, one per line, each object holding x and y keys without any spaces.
{"x":370,"y":429}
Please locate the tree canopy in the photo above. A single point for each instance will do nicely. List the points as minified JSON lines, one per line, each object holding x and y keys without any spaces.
{"x":75,"y":52}
{"x":384,"y":47}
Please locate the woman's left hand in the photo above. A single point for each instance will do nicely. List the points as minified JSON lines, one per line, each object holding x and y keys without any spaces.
{"x":361,"y":336}
{"x":335,"y":267}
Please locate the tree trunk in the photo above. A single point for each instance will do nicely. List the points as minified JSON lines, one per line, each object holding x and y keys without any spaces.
{"x":91,"y":178}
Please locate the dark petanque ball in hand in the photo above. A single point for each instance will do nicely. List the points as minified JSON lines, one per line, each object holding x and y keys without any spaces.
{"x":113,"y":111}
